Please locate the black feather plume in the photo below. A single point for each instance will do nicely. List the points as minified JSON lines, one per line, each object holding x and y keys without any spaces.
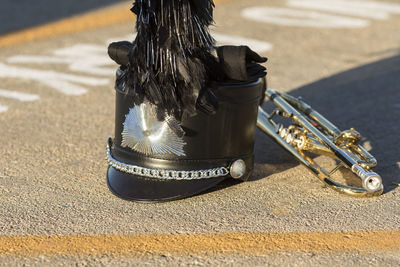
{"x":171,"y":55}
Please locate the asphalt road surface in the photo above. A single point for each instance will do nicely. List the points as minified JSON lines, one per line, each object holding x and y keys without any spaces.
{"x":57,"y":110}
{"x":18,"y":15}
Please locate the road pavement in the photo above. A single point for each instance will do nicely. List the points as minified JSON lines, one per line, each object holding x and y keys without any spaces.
{"x":19,"y":15}
{"x":57,"y":110}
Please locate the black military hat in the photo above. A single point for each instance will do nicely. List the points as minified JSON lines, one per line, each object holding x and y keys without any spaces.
{"x":186,"y":110}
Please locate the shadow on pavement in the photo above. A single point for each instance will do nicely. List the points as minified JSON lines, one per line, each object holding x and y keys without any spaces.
{"x":21,"y":14}
{"x":366,"y":98}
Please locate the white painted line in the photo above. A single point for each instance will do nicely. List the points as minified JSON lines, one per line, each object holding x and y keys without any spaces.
{"x":301,"y":18}
{"x":61,"y":82}
{"x":24,"y":97}
{"x":367,"y":145}
{"x":256,"y":45}
{"x":3,"y":108}
{"x":83,"y":58}
{"x":129,"y":37}
{"x":222,"y":39}
{"x":375,"y":5}
{"x":366,"y":9}
{"x":36,"y":59}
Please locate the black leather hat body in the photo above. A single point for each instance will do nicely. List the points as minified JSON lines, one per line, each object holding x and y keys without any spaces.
{"x":148,"y":163}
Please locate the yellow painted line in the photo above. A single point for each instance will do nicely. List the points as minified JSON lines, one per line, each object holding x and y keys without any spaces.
{"x":195,"y":244}
{"x":104,"y":17}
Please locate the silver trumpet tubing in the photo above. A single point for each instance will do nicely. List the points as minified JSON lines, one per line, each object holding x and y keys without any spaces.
{"x":312,"y":134}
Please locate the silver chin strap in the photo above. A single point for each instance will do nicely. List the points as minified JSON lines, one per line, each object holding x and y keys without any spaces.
{"x":170,"y":174}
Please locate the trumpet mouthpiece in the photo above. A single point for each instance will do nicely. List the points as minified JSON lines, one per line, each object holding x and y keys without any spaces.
{"x":371,"y":181}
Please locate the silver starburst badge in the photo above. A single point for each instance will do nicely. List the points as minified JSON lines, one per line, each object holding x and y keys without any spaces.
{"x":144,"y":133}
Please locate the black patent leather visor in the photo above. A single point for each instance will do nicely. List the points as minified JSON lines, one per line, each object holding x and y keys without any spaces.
{"x":141,"y":189}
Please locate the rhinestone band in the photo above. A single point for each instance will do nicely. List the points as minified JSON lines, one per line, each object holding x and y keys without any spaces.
{"x":163,"y":174}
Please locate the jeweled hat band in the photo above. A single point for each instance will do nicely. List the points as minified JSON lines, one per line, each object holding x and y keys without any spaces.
{"x":237,"y":169}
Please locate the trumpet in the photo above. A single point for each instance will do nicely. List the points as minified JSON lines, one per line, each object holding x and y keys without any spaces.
{"x":309,"y":133}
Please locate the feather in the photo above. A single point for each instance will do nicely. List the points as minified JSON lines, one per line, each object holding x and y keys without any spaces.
{"x":169,"y":57}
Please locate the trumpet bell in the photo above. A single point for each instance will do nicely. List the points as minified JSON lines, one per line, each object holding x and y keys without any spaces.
{"x":309,"y":134}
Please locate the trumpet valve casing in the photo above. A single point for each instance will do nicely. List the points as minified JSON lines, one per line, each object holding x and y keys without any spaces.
{"x":348,"y":138}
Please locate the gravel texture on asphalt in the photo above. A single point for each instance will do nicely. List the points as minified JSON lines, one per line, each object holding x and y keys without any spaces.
{"x":52,"y":168}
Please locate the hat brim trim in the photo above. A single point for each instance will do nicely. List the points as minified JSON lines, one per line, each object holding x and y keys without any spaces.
{"x":136,"y":188}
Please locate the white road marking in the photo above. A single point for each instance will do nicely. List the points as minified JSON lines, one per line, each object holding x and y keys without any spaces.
{"x":256,"y":45}
{"x":3,"y":108}
{"x":367,"y":145}
{"x":129,"y":37}
{"x":84,"y":58}
{"x":373,"y":5}
{"x":222,"y":39}
{"x":366,"y":9}
{"x":24,"y":97}
{"x":301,"y":18}
{"x":92,"y":58}
{"x":62,"y":82}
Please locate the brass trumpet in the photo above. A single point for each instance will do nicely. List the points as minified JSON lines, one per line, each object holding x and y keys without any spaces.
{"x":310,"y":133}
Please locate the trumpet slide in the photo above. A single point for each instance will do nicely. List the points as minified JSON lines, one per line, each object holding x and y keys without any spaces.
{"x":312,"y":134}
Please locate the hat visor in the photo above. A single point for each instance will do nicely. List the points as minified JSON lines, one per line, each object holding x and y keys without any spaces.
{"x":136,"y":188}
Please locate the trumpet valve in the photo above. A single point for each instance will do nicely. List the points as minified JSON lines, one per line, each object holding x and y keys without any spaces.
{"x":348,"y":138}
{"x":301,"y":142}
{"x":290,"y":138}
{"x":293,"y":136}
{"x":283,"y":132}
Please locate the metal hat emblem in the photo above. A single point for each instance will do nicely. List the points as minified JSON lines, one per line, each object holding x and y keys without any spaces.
{"x":144,"y":133}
